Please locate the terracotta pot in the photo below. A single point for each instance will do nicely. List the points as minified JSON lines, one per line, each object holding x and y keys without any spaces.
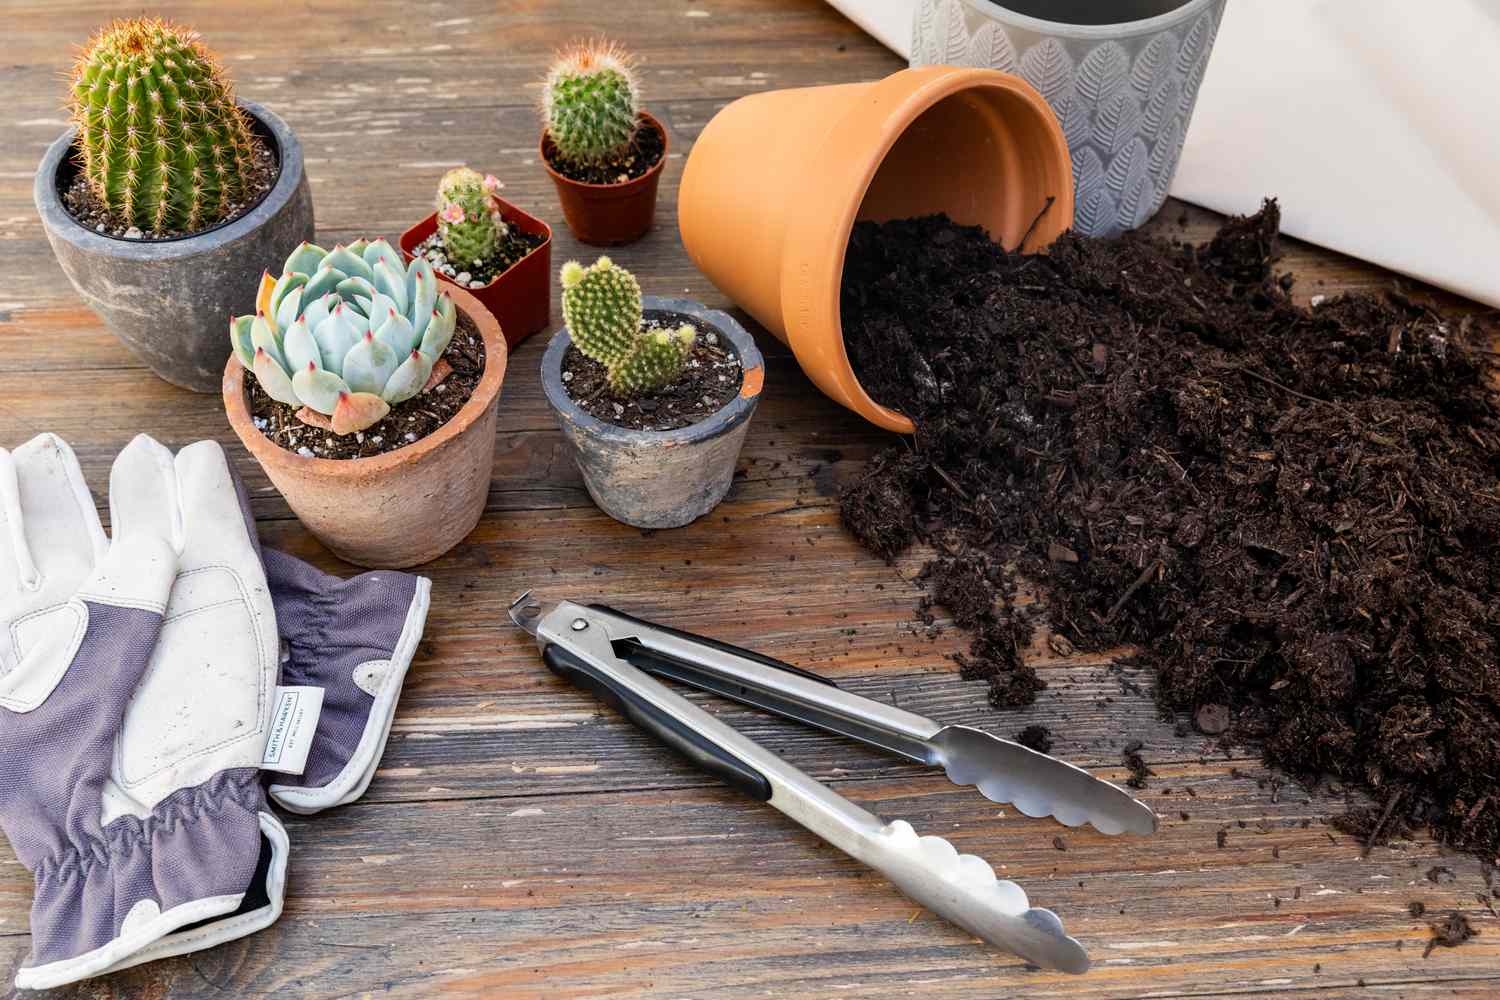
{"x":777,"y":180}
{"x":609,"y":214}
{"x":659,"y":479}
{"x":401,"y":508}
{"x":521,"y":298}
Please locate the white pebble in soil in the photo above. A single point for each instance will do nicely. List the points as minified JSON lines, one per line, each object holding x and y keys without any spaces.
{"x":305,"y":452}
{"x":411,"y":436}
{"x":462,"y":277}
{"x":133,"y":233}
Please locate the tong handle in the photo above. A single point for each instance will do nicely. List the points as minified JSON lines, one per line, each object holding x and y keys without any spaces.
{"x":717,"y":644}
{"x":692,"y":744}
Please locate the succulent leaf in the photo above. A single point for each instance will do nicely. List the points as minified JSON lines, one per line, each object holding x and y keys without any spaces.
{"x":440,"y":327}
{"x":355,"y":290}
{"x":318,"y":388}
{"x":317,"y":310}
{"x":284,"y":285}
{"x":300,"y":347}
{"x":378,"y":248}
{"x":273,"y":378}
{"x":421,"y":293}
{"x":356,"y":411}
{"x":397,"y":333}
{"x":239,"y":336}
{"x":264,"y":337}
{"x":390,"y":281}
{"x":348,"y":260}
{"x":264,"y":291}
{"x":305,"y":259}
{"x":321,"y":283}
{"x":289,"y":309}
{"x":369,"y":365}
{"x":408,"y":380}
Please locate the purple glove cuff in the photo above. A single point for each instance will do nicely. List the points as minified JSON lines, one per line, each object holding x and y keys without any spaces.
{"x":191,"y":859}
{"x":354,"y":639}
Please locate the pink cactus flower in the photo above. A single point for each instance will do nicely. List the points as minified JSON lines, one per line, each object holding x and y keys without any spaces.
{"x":492,"y":184}
{"x":452,"y":213}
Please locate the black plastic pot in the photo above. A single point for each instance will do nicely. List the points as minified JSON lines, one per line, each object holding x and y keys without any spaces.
{"x":171,"y":300}
{"x":659,"y":479}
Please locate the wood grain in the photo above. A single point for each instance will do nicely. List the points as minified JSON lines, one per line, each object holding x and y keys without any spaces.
{"x":522,"y":841}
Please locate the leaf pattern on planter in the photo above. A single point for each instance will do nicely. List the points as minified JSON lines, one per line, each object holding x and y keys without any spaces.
{"x":1124,"y":104}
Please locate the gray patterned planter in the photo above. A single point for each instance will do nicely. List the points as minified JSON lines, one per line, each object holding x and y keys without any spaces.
{"x":659,"y":479}
{"x":1124,"y":92}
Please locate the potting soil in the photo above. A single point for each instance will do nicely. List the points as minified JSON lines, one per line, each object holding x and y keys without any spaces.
{"x":1292,"y":514}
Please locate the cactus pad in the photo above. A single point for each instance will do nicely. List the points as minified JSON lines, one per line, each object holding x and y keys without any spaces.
{"x":602,"y":307}
{"x":656,"y":359}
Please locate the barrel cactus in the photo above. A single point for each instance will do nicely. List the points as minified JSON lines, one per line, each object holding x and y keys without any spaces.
{"x":346,"y":332}
{"x":602,"y":307}
{"x":589,"y":102}
{"x":163,"y":144}
{"x":468,"y":215}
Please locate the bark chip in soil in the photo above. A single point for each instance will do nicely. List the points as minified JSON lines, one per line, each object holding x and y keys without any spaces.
{"x":1293,"y":513}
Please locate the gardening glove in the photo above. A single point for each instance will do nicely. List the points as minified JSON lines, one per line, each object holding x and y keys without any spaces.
{"x":136,"y":684}
{"x":353,"y":639}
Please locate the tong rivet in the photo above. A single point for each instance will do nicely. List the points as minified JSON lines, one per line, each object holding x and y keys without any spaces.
{"x":579,"y":624}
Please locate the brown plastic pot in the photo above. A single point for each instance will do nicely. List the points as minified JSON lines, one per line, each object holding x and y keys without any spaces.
{"x":520,"y":298}
{"x":777,"y":180}
{"x":609,"y":214}
{"x":407,"y":506}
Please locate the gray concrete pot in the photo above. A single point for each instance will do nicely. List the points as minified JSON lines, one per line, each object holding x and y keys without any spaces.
{"x":170,"y":300}
{"x":659,"y":479}
{"x":1122,"y":77}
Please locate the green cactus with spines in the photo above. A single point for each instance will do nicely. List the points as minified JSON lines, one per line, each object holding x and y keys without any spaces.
{"x":590,"y":102}
{"x":164,"y":146}
{"x":602,"y":307}
{"x":656,"y":359}
{"x":469,"y":219}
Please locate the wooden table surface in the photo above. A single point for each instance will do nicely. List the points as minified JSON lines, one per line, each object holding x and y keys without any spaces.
{"x":520,"y":840}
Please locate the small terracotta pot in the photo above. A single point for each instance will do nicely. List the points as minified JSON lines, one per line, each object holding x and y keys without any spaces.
{"x":521,"y":298}
{"x":609,"y":214}
{"x":777,"y":180}
{"x":407,"y":506}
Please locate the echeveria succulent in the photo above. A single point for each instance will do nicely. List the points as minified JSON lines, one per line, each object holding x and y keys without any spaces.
{"x":346,"y":332}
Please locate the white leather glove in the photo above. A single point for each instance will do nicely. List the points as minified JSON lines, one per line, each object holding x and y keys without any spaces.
{"x":136,"y":681}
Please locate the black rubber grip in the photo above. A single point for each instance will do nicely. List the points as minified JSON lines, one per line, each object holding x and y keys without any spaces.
{"x":703,"y":752}
{"x":724,"y":647}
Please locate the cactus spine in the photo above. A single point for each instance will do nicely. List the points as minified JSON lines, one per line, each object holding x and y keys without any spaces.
{"x":602,"y":307}
{"x":469,"y":218}
{"x":589,"y":102}
{"x":164,"y":145}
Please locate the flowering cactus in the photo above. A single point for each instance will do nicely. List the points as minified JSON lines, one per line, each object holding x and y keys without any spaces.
{"x":164,"y":146}
{"x":345,"y":331}
{"x":469,"y":215}
{"x":589,"y":102}
{"x":602,"y":307}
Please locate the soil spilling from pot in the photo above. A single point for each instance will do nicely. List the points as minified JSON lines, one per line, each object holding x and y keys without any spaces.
{"x":81,"y":202}
{"x":711,"y":379}
{"x":407,"y":422}
{"x":1292,"y":515}
{"x":643,"y":153}
{"x":515,"y":245}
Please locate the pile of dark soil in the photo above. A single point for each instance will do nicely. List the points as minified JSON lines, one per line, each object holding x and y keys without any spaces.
{"x":643,"y":153}
{"x":711,"y":379}
{"x":515,"y":245}
{"x":407,"y":422}
{"x":1292,"y":514}
{"x":85,"y":206}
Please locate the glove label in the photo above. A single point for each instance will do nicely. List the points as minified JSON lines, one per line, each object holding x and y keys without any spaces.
{"x":294,"y":722}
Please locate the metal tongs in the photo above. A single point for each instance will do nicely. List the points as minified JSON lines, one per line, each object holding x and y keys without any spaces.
{"x":612,"y":655}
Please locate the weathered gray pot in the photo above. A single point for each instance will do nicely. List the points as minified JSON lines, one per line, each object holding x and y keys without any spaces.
{"x":171,"y":300}
{"x":659,"y":479}
{"x":1122,"y":77}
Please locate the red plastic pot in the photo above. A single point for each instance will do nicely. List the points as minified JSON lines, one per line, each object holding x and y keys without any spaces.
{"x":520,"y":299}
{"x":609,"y":214}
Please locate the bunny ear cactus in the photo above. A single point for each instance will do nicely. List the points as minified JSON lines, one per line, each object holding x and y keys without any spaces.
{"x":346,"y":332}
{"x":469,"y":220}
{"x":164,"y":146}
{"x":602,"y":307}
{"x":590,"y":102}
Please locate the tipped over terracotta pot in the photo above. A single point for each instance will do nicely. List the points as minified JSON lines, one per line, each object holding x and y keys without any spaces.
{"x":406,"y":506}
{"x":776,"y":181}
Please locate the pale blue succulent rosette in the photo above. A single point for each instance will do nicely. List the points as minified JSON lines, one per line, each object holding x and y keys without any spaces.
{"x":346,"y":332}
